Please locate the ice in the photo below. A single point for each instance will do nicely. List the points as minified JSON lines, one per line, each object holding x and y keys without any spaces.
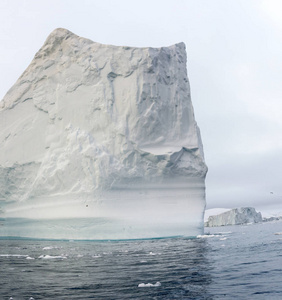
{"x":48,"y":248}
{"x":13,"y":255}
{"x":214,"y":212}
{"x":236,"y":216}
{"x":100,"y":142}
{"x":205,"y":236}
{"x":149,"y":284}
{"x":52,"y":257}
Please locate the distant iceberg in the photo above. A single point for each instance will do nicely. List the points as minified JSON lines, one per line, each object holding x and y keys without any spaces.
{"x":236,"y":216}
{"x":100,"y":142}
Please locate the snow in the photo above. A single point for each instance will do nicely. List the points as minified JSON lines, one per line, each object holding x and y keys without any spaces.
{"x":101,"y":133}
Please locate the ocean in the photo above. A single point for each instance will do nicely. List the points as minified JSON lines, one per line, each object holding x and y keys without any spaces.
{"x":234,"y":262}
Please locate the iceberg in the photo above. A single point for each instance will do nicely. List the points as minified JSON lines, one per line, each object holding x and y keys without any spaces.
{"x":236,"y":216}
{"x":100,"y":142}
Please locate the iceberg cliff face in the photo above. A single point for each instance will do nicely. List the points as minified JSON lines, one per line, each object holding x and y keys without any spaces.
{"x":236,"y":216}
{"x":102,"y":133}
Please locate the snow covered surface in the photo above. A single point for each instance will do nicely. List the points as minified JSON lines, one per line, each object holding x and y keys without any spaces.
{"x":104,"y":136}
{"x":236,"y":216}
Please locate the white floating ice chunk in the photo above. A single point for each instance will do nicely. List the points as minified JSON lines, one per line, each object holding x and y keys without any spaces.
{"x":13,"y":255}
{"x":204,"y":236}
{"x":149,"y":284}
{"x":48,"y":248}
{"x":30,"y":258}
{"x":52,"y":257}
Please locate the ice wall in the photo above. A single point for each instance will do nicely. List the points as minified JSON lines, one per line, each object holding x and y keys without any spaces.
{"x":105,"y":134}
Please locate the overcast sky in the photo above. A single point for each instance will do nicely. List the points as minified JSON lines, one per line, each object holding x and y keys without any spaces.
{"x":234,"y":65}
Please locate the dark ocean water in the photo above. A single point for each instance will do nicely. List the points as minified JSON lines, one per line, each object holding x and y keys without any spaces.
{"x":236,"y":262}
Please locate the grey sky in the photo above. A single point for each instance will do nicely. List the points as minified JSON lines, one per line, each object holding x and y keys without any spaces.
{"x":234,"y":66}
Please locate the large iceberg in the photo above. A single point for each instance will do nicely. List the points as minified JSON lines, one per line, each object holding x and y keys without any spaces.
{"x":100,"y":142}
{"x":235,"y":216}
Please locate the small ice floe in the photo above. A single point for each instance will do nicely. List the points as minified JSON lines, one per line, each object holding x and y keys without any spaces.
{"x":96,"y":256}
{"x":149,"y":284}
{"x":143,"y":261}
{"x":204,"y":236}
{"x":52,"y":257}
{"x":31,"y":298}
{"x":153,"y":253}
{"x":48,"y":248}
{"x":278,"y":233}
{"x":29,"y":257}
{"x":13,"y":255}
{"x":223,"y":239}
{"x":11,"y":298}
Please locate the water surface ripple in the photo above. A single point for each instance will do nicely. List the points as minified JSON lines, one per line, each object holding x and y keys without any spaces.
{"x":238,"y":262}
